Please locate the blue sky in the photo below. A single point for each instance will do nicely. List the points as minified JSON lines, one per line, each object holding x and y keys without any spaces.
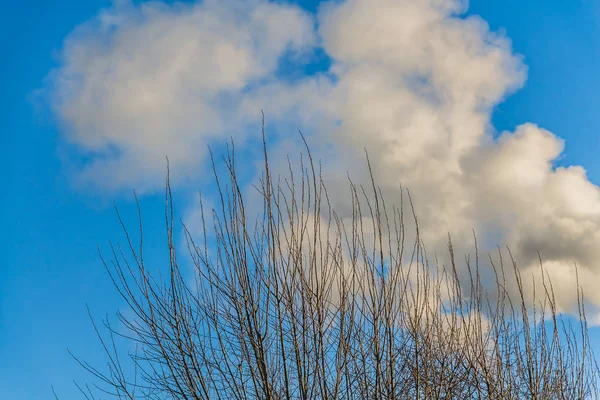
{"x":53,"y":223}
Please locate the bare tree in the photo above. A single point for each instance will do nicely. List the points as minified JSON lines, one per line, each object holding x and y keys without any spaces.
{"x":299,"y":303}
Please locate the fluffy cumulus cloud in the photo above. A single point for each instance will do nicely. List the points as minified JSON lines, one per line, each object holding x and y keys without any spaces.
{"x":140,"y":83}
{"x":412,"y":81}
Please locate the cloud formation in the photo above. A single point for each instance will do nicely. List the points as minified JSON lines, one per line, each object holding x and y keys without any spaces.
{"x":140,"y":83}
{"x":412,"y":81}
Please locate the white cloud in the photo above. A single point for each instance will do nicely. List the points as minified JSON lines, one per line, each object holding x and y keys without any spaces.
{"x":140,"y":83}
{"x":412,"y":81}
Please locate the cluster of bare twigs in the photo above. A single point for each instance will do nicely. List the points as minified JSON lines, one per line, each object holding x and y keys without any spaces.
{"x":300,"y":303}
